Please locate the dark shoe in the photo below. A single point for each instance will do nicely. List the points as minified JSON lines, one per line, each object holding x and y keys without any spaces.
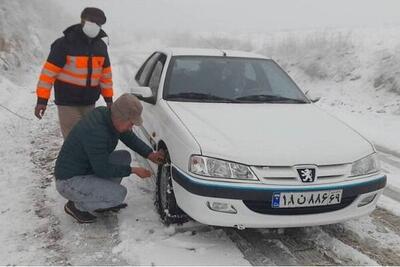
{"x":114,"y":209}
{"x":80,"y":216}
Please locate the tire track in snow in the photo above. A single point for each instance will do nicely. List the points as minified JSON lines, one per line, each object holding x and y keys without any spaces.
{"x":387,"y":219}
{"x":384,"y":253}
{"x":281,"y":247}
{"x":306,"y":251}
{"x":43,"y":155}
{"x":325,"y":245}
{"x":246,"y":243}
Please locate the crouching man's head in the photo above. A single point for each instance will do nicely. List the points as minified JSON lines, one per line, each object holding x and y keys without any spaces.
{"x":125,"y":112}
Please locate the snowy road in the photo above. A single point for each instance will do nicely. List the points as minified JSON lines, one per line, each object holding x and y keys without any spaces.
{"x":114,"y":240}
{"x":136,"y":236}
{"x":369,"y":240}
{"x":338,"y":244}
{"x":37,"y":231}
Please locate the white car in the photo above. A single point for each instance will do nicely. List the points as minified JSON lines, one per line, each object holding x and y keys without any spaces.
{"x":246,"y":147}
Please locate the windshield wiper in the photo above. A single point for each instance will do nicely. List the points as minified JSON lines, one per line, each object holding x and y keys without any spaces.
{"x":269,"y":99}
{"x":198,"y":96}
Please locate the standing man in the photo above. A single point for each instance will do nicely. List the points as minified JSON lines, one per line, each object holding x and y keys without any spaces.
{"x":79,"y":67}
{"x":88,"y":171}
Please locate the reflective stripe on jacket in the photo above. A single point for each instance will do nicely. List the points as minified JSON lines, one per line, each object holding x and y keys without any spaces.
{"x":79,"y":68}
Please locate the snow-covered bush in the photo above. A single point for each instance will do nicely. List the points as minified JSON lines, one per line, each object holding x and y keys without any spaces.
{"x":15,"y":42}
{"x":26,"y":36}
{"x":387,"y":70}
{"x":319,"y":55}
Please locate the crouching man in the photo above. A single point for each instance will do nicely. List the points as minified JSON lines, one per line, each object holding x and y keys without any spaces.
{"x":88,"y":171}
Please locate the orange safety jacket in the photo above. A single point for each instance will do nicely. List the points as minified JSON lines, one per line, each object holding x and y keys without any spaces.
{"x":79,"y":69}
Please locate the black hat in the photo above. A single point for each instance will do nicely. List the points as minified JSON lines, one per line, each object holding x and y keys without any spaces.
{"x":94,"y":14}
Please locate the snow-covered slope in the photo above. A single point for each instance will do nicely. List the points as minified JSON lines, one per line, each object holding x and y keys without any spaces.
{"x":26,"y":29}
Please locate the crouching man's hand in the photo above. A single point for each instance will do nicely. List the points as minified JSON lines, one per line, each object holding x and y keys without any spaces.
{"x":158,"y":157}
{"x":141,"y":172}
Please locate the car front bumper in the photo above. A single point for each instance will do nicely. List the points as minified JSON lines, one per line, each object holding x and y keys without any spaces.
{"x":252,"y":202}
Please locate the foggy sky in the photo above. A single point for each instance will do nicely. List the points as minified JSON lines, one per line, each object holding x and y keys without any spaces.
{"x":242,"y":16}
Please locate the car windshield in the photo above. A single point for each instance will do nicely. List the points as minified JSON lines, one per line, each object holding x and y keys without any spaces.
{"x":228,"y":79}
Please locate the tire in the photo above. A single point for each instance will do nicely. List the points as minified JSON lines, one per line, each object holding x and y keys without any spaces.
{"x":165,"y":202}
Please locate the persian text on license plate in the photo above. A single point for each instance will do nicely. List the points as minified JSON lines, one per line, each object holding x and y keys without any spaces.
{"x":306,"y":199}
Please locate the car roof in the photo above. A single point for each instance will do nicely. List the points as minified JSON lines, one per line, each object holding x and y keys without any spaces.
{"x":178,"y":51}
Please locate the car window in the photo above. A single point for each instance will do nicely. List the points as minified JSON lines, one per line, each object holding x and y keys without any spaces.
{"x":144,"y":72}
{"x":230,"y":78}
{"x":182,"y":77}
{"x":280,"y":82}
{"x":140,"y":71}
{"x":155,"y":77}
{"x":249,"y":72}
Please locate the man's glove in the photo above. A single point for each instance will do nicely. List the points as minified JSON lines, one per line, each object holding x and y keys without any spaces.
{"x":39,"y":111}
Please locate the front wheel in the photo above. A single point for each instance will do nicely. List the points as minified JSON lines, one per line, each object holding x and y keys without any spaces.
{"x":165,"y":202}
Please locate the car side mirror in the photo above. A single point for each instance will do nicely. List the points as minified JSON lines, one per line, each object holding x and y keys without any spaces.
{"x":144,"y":93}
{"x":313,"y":98}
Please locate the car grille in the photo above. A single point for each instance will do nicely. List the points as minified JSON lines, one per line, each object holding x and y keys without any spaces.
{"x":287,"y":175}
{"x":265,"y":207}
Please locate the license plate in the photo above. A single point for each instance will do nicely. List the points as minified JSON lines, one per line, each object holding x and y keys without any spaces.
{"x":306,"y":199}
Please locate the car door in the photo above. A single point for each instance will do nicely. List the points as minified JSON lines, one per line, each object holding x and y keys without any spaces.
{"x":150,"y":75}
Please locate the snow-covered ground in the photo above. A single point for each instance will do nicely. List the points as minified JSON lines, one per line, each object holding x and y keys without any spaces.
{"x":356,"y":72}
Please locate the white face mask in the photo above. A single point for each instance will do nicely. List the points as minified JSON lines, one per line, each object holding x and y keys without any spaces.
{"x":91,"y":29}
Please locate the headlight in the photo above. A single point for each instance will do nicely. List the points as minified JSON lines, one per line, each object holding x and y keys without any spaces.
{"x":219,"y":168}
{"x":367,"y":165}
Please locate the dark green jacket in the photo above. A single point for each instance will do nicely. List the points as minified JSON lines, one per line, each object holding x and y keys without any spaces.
{"x":89,"y":144}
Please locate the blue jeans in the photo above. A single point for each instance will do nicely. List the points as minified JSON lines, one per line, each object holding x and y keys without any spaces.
{"x":90,"y":192}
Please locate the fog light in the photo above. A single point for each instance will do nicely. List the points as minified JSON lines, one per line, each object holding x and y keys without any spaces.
{"x":366,"y":200}
{"x":221,"y":207}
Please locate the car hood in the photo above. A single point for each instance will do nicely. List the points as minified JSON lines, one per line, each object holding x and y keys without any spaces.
{"x":271,"y":134}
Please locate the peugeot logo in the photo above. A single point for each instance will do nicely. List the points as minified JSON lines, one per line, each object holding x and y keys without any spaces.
{"x":307,"y":175}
